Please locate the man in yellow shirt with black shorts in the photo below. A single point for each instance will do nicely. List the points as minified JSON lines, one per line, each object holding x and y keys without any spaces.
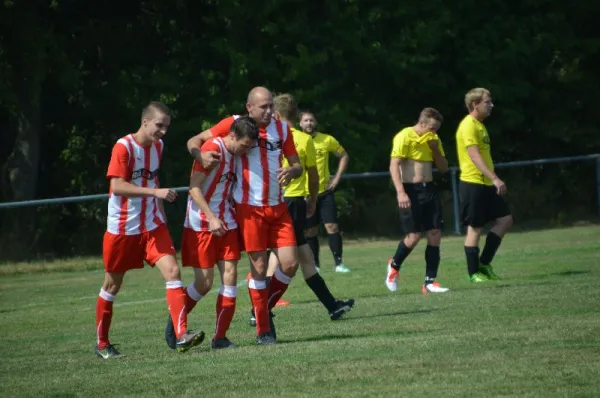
{"x":414,"y":151}
{"x":301,"y":198}
{"x":326,"y":212}
{"x":481,"y":191}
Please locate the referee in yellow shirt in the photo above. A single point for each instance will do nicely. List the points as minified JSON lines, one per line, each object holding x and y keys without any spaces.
{"x":326,"y":212}
{"x":480,"y":190}
{"x":414,"y":150}
{"x":296,"y":195}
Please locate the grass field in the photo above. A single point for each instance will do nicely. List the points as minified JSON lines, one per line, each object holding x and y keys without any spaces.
{"x":535,"y":333}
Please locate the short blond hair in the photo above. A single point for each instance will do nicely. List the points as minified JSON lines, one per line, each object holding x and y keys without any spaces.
{"x":475,"y":95}
{"x":431,"y":113}
{"x":285,"y":105}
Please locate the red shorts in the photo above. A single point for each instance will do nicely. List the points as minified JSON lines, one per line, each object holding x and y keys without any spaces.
{"x":265,"y":227}
{"x":124,"y":252}
{"x":203,"y":249}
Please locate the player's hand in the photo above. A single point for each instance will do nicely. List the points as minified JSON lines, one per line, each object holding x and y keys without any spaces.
{"x":166,"y":194}
{"x":311,"y":207}
{"x":500,"y":186}
{"x":210,"y":159}
{"x":284,"y":175}
{"x":403,"y":201}
{"x":333,"y":183}
{"x":217,"y":227}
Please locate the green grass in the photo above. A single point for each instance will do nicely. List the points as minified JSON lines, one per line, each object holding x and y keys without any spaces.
{"x":535,"y":333}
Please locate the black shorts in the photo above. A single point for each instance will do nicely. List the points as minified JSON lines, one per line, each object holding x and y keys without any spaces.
{"x":480,"y":204}
{"x":326,"y":212}
{"x":297,"y":208}
{"x":425,"y":211}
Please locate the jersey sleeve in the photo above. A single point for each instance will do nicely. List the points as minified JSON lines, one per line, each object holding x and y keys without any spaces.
{"x":400,"y":146}
{"x":334,"y":146}
{"x":208,"y":146}
{"x":441,"y":147}
{"x":288,"y":147}
{"x":469,"y":134}
{"x":119,"y":162}
{"x":222,"y":128}
{"x":311,"y":153}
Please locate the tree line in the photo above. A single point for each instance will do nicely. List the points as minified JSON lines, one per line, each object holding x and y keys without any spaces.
{"x":74,"y":77}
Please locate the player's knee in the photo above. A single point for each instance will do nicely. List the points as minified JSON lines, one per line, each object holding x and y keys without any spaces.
{"x":172,"y":273}
{"x":412,"y":239}
{"x":290,"y":269}
{"x":434,"y":237}
{"x":112,"y":283}
{"x":506,"y":222}
{"x":230,"y":276}
{"x":332,"y":228}
{"x":305,"y":256}
{"x":203,"y":287}
{"x":311,"y":232}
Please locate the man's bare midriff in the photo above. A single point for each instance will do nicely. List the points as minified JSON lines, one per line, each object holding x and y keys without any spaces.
{"x":416,"y":171}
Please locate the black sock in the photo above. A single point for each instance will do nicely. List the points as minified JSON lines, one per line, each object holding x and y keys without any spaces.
{"x":313,"y":242}
{"x":401,"y":253}
{"x":432,"y":263}
{"x":492,"y":242}
{"x":318,"y":286}
{"x":472,"y":254}
{"x":335,"y":244}
{"x":268,"y":280}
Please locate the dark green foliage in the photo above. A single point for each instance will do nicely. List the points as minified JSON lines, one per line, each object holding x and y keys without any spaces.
{"x":79,"y":73}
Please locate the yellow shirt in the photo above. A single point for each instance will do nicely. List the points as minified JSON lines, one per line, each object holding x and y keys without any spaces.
{"x":472,"y":132}
{"x":324,"y":144}
{"x":407,"y":144}
{"x":308,"y":158}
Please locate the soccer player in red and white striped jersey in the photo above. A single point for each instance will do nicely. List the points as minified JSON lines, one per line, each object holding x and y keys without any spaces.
{"x":210,"y":233}
{"x":261,"y":213}
{"x":136,"y":230}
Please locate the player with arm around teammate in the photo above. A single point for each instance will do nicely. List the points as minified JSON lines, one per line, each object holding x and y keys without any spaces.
{"x":261,"y":212}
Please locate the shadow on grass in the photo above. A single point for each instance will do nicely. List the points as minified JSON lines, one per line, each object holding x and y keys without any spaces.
{"x":570,"y":273}
{"x":563,"y":273}
{"x":385,"y":314}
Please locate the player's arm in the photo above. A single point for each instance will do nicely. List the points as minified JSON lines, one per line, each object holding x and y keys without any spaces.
{"x":216,"y":226}
{"x":313,"y":188}
{"x":475,"y":155}
{"x":119,"y":172}
{"x":208,"y":159}
{"x":403,"y":200}
{"x":294,"y":170}
{"x":399,"y":152}
{"x":438,"y":157}
{"x":161,"y":205}
{"x":120,"y":186}
{"x":344,"y":160}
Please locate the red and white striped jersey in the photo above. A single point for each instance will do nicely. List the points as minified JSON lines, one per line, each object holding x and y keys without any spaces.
{"x":139,"y":166}
{"x":216,"y":189}
{"x":256,"y":171}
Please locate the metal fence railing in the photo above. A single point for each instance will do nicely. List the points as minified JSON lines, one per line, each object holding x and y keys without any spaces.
{"x":453,"y":171}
